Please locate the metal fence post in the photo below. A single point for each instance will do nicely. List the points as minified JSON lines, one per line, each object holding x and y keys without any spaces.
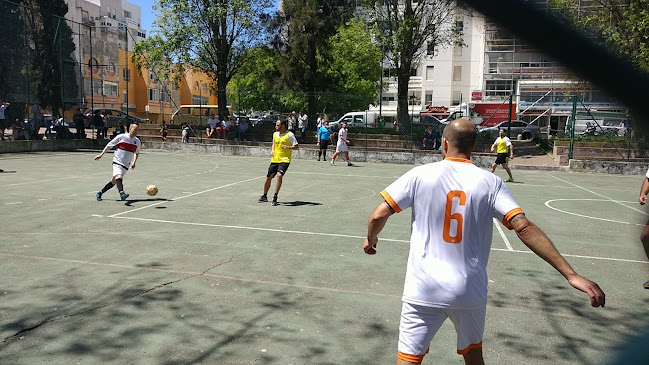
{"x":571,"y":124}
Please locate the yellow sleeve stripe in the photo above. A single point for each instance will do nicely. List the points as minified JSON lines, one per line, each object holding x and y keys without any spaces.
{"x":511,"y":215}
{"x":390,"y":201}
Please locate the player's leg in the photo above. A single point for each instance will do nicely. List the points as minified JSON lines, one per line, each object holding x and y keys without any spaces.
{"x":417,"y":327}
{"x":272,"y":171}
{"x":644,"y":238}
{"x":508,"y":172}
{"x":347,"y":159}
{"x":469,"y":325}
{"x":281,"y":171}
{"x":493,"y":167}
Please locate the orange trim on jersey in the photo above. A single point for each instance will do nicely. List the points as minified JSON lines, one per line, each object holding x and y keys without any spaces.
{"x":411,"y":358}
{"x":511,"y":215}
{"x":390,"y":201}
{"x":472,"y":346}
{"x":455,"y":159}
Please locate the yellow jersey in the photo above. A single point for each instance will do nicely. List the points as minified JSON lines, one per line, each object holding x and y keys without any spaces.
{"x":281,"y":155}
{"x":502,"y":145}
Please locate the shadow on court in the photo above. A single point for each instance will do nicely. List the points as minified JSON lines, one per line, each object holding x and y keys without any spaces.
{"x":133,"y":201}
{"x":563,"y":317}
{"x":298,"y":203}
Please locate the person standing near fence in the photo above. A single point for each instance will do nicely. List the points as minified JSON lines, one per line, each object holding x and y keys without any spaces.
{"x":503,"y":148}
{"x":35,"y":125}
{"x":324,"y":134}
{"x":284,"y":142}
{"x":453,"y":206}
{"x":341,"y":146}
{"x":644,"y":236}
{"x":3,"y":121}
{"x":303,"y":121}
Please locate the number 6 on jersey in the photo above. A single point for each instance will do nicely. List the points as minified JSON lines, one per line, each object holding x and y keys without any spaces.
{"x":449,"y":216}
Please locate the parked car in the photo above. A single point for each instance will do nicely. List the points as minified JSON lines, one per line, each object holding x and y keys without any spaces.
{"x":528,"y":131}
{"x":114,"y":115}
{"x":357,"y":119}
{"x":267,"y":120}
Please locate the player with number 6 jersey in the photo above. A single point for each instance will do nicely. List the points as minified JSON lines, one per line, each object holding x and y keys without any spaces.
{"x":453,"y":202}
{"x":453,"y":205}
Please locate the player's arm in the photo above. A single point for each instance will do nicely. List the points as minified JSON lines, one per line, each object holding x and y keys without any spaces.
{"x":511,"y":150}
{"x":644,"y":190}
{"x":493,"y":146}
{"x":134,"y":160}
{"x":541,"y":245}
{"x":375,"y":225}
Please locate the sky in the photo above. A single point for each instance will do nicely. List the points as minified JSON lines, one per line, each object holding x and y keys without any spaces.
{"x":148,"y":17}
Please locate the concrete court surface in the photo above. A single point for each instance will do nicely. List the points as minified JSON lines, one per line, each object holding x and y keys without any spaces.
{"x":203,"y":274}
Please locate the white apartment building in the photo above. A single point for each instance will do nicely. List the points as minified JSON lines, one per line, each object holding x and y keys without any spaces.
{"x":117,"y":14}
{"x":446,"y":75}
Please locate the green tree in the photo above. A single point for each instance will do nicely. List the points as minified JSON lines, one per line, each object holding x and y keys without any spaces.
{"x":406,"y":30}
{"x":303,"y":32}
{"x":622,"y":25}
{"x":255,"y":86}
{"x":38,"y":62}
{"x":208,"y":35}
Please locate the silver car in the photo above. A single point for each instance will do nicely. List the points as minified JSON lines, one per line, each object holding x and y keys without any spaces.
{"x":528,"y":131}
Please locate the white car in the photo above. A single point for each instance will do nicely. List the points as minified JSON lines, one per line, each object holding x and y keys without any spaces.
{"x":528,"y":131}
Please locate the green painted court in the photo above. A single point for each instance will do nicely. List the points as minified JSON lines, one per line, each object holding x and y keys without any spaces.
{"x":202,"y":273}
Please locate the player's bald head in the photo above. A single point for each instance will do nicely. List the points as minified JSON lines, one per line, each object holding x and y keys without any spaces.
{"x":461,"y":135}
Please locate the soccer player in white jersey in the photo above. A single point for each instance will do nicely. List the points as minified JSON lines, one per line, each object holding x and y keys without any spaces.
{"x":453,"y":203}
{"x":341,"y":146}
{"x":128,"y":149}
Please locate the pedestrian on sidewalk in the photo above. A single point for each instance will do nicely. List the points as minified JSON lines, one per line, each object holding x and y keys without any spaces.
{"x":503,"y":147}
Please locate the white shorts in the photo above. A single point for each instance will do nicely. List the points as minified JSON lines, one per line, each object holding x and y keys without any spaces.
{"x":341,"y":146}
{"x":419,"y":324}
{"x":119,"y":170}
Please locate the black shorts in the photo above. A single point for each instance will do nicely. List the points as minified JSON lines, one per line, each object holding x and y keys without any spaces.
{"x":324,"y":143}
{"x":501,"y":158}
{"x":277,"y":167}
{"x":3,"y":124}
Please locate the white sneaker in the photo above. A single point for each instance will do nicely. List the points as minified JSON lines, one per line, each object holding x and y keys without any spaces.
{"x":332,"y":162}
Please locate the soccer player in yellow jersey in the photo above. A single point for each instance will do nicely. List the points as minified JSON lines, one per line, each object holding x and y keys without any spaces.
{"x":453,"y":205}
{"x":284,"y":142}
{"x":503,"y":147}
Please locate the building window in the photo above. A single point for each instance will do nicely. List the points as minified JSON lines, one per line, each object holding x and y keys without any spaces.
{"x":430,"y":72}
{"x":126,"y":74}
{"x":195,"y":85}
{"x":457,"y":51}
{"x":84,"y":16}
{"x":97,"y":87}
{"x":413,"y":72}
{"x":154,"y":95}
{"x":124,"y":97}
{"x":459,"y":25}
{"x":93,"y":65}
{"x":457,"y":97}
{"x":205,"y":88}
{"x":429,"y":98}
{"x":127,"y":14}
{"x":152,"y":77}
{"x":110,"y":69}
{"x":457,"y":73}
{"x":200,"y":100}
{"x":165,"y":97}
{"x":430,"y":48}
{"x":110,"y":89}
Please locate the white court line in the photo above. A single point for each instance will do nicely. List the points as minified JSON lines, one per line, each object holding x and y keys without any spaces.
{"x":547,"y":204}
{"x":345,"y":236}
{"x":580,"y":256}
{"x":598,"y":194}
{"x":38,"y":181}
{"x":13,"y":203}
{"x":186,"y":196}
{"x":502,"y":234}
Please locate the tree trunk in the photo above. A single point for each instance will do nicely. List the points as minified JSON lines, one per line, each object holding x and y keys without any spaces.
{"x":403,"y":117}
{"x":221,"y":96}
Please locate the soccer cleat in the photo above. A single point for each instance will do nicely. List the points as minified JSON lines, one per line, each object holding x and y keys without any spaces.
{"x":509,"y":180}
{"x":646,"y":285}
{"x":332,"y":162}
{"x":98,"y":195}
{"x":263,"y":199}
{"x":350,"y":164}
{"x":274,"y":203}
{"x":318,"y":158}
{"x":123,"y":196}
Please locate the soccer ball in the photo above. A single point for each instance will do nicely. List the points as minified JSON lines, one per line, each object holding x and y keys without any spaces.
{"x":152,"y":190}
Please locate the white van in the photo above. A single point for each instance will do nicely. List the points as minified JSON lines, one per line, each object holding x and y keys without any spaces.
{"x":357,"y":119}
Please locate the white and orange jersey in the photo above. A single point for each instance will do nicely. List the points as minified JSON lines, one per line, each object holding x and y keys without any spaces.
{"x":127,"y":148}
{"x":453,"y":203}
